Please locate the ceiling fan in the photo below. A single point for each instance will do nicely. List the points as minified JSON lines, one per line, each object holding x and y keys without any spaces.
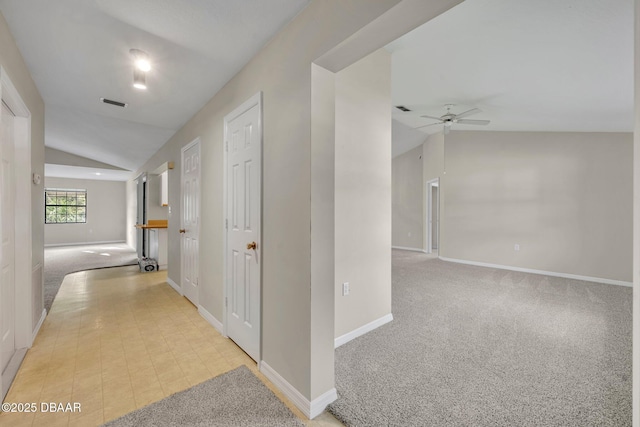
{"x":450,"y":118}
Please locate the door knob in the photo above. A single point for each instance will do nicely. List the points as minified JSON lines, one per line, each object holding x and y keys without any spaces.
{"x":252,"y":245}
{"x":182,"y":230}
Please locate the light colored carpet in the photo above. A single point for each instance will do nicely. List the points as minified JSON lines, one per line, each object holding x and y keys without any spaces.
{"x":474,"y":346}
{"x":62,"y":260}
{"x":237,"y":398}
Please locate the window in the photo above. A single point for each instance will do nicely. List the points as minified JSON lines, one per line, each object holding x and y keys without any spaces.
{"x":65,"y":206}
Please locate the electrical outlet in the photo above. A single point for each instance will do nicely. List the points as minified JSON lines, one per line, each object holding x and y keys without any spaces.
{"x":409,"y":234}
{"x":345,"y":289}
{"x":516,"y":247}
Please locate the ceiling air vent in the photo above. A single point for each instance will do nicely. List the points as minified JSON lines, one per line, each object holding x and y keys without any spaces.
{"x":402,"y":108}
{"x":112,"y":102}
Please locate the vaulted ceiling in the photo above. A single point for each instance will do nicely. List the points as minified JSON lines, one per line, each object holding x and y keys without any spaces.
{"x":78,"y":52}
{"x":529,"y":65}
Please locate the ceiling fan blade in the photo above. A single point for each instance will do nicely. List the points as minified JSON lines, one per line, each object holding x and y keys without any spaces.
{"x":430,"y":124}
{"x":431,"y":117}
{"x":473,"y":122}
{"x":467,"y":113}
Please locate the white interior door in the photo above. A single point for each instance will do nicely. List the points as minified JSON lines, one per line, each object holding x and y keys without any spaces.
{"x":190,"y":219}
{"x":243,"y":142}
{"x":7,"y":248}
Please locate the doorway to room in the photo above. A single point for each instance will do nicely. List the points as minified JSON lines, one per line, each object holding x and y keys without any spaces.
{"x":141,"y":215}
{"x":432,"y":227}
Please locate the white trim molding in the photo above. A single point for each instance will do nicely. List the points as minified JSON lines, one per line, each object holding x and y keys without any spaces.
{"x":343,"y":339}
{"x":210,"y":318}
{"x":320,"y":403}
{"x":175,"y":286}
{"x":38,"y":326}
{"x":403,"y":248}
{"x":309,"y":409}
{"x":545,"y":273}
{"x":61,"y":245}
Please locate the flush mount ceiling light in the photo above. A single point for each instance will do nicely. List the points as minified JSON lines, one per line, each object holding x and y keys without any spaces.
{"x":142,"y":66}
{"x":141,"y":60}
{"x":139,"y":79}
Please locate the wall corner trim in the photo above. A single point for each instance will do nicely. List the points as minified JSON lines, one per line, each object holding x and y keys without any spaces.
{"x":309,"y":409}
{"x":175,"y":286}
{"x":403,"y":248}
{"x":343,"y":339}
{"x":543,"y":272}
{"x":38,"y":326}
{"x":211,"y":319}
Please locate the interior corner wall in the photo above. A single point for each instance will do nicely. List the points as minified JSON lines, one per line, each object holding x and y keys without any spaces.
{"x":407,"y":188}
{"x":363,"y":192}
{"x":106,"y":213}
{"x":323,"y":106}
{"x":565,"y":198}
{"x":12,"y":62}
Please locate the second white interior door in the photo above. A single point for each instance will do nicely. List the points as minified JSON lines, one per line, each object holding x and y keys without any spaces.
{"x":244,"y":139}
{"x":190,"y":229}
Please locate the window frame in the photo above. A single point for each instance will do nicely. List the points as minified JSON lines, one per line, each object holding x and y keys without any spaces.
{"x":78,"y":192}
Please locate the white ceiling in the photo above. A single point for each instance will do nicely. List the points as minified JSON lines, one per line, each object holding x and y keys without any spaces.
{"x":78,"y":51}
{"x":529,"y":65}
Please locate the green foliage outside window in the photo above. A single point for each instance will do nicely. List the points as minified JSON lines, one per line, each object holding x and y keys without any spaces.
{"x":65,"y":206}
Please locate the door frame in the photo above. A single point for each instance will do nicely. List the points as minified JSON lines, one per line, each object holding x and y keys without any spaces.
{"x":428,"y":235}
{"x":193,"y":143}
{"x":29,"y":314}
{"x":245,"y":106}
{"x":141,"y":183}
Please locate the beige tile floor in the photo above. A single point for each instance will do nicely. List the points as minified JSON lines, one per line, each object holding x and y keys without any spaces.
{"x":115,"y":341}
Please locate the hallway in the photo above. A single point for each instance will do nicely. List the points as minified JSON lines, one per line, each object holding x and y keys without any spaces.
{"x":115,"y":341}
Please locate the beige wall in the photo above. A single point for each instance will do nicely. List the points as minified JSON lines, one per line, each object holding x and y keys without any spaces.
{"x":363,"y":192}
{"x":13,"y":64}
{"x":106,"y":220}
{"x":282,"y":71}
{"x":407,"y":185}
{"x":291,"y":308}
{"x":565,"y":198}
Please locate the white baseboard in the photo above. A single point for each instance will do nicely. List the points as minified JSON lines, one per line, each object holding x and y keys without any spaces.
{"x":403,"y":248}
{"x":38,"y":326}
{"x":343,"y":339}
{"x":546,"y":273}
{"x":319,"y":404}
{"x":105,"y":242}
{"x":174,"y":285}
{"x":211,"y":319}
{"x":309,"y":409}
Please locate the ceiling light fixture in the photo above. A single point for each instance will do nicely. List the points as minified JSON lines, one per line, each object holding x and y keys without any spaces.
{"x":139,"y":79}
{"x":141,"y":60}
{"x":142,"y":66}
